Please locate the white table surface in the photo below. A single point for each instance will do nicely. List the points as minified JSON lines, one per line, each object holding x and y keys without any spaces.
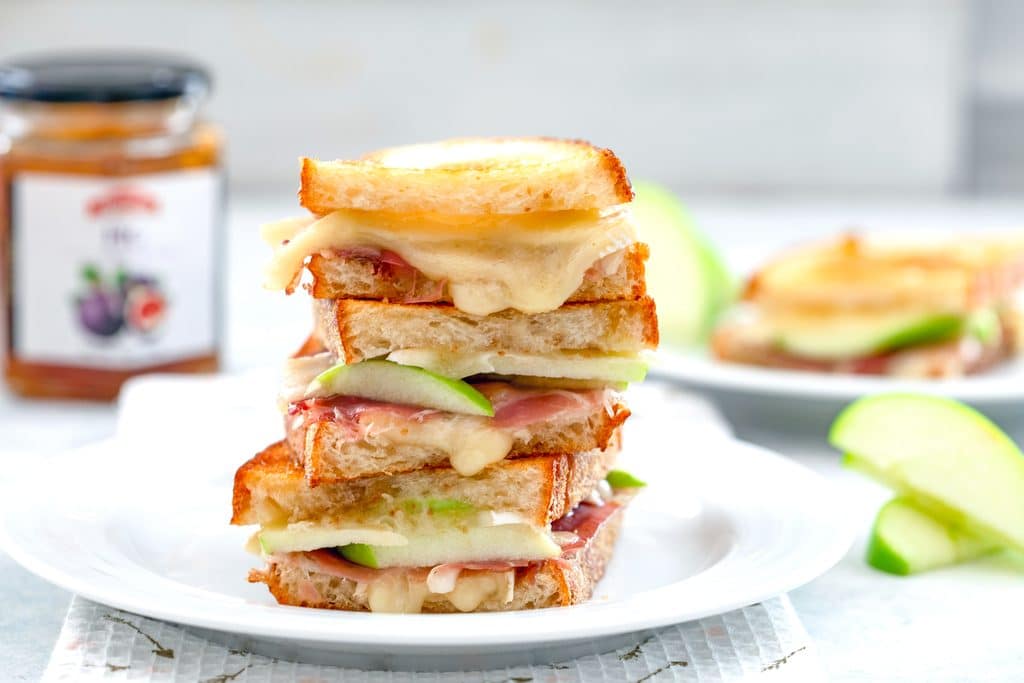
{"x":951,"y":625}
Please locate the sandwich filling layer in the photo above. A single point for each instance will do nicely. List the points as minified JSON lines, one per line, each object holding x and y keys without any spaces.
{"x":930,"y":344}
{"x":407,"y":578}
{"x":372,"y":273}
{"x":531,"y":263}
{"x":471,"y":442}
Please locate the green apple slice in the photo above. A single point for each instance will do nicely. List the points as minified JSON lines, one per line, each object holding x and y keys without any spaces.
{"x":621,"y":479}
{"x":302,"y":536}
{"x":360,"y":553}
{"x":436,"y":506}
{"x":928,"y":330}
{"x":850,"y":335}
{"x":907,"y":540}
{"x":474,"y":544}
{"x":685,"y":274}
{"x":607,"y":368}
{"x":383,"y":380}
{"x":948,"y":458}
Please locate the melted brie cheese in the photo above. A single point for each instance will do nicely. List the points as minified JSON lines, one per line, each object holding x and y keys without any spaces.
{"x":404,"y":594}
{"x":396,"y":594}
{"x":532,"y":263}
{"x":471,"y":591}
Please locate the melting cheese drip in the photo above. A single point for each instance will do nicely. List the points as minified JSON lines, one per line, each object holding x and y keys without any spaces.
{"x":532,"y":262}
{"x":399,"y":593}
{"x":471,"y":442}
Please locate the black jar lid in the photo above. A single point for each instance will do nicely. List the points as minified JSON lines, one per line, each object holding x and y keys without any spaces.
{"x":101,"y":77}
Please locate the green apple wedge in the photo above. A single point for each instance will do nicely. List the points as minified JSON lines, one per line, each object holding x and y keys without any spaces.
{"x":685,"y":275}
{"x":928,"y":330}
{"x":300,"y":536}
{"x":610,"y":368}
{"x":907,"y":540}
{"x":951,"y":460}
{"x":852,"y":336}
{"x":382,"y":380}
{"x":473,"y":544}
{"x":621,"y":479}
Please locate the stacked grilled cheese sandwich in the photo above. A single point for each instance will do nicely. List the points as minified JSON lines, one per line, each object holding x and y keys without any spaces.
{"x":453,"y":421}
{"x":911,"y":308}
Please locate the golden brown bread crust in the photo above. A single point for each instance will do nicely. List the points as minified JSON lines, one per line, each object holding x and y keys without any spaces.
{"x":470,"y":176}
{"x":853,"y":272}
{"x":354,"y":277}
{"x":553,"y":583}
{"x":355,"y":329}
{"x":328,"y":454}
{"x":271,"y":489}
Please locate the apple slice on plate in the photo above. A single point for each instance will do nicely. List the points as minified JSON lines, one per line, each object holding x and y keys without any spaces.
{"x":951,"y":460}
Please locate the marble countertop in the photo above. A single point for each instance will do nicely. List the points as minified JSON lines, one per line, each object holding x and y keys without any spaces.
{"x":949,"y":625}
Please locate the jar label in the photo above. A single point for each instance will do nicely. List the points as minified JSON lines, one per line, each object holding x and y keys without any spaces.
{"x":114,"y":273}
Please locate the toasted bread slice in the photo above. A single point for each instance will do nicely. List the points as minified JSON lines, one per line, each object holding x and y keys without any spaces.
{"x":470,"y":176}
{"x":337,"y":276}
{"x":271,"y":489}
{"x":552,"y":583}
{"x":855,"y":272}
{"x":355,"y":330}
{"x":329,"y":453}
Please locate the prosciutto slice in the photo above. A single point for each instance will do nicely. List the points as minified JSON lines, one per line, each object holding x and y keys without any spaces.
{"x":583,"y":523}
{"x":380,"y":257}
{"x":514,"y":408}
{"x":442,"y":578}
{"x":331,"y":563}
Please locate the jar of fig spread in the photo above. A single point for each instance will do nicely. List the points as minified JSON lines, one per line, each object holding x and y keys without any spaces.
{"x":111,"y":205}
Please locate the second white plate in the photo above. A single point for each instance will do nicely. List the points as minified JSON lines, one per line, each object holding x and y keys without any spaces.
{"x":1003,"y":384}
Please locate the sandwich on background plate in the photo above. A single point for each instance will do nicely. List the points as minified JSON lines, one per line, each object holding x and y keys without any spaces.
{"x":452,"y":424}
{"x":916,"y":308}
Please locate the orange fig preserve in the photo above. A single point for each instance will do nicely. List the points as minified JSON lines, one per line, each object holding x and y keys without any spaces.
{"x":111,"y":210}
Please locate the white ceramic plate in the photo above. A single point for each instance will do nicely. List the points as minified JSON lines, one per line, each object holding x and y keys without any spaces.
{"x":722,"y":524}
{"x":1003,"y":384}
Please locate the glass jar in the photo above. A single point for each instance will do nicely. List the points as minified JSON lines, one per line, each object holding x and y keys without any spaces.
{"x":111,"y":212}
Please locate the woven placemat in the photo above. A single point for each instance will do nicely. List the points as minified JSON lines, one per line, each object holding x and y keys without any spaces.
{"x":765,"y":641}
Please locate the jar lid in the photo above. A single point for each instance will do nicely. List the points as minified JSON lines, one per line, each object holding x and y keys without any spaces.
{"x":101,"y":77}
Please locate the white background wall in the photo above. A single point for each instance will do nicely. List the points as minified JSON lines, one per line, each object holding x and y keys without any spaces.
{"x":838,"y":96}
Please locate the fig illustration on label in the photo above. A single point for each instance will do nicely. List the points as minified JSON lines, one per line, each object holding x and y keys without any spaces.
{"x":126,"y":301}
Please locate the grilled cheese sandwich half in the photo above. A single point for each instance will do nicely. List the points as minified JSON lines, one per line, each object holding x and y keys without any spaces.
{"x":880,"y":307}
{"x":426,"y":527}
